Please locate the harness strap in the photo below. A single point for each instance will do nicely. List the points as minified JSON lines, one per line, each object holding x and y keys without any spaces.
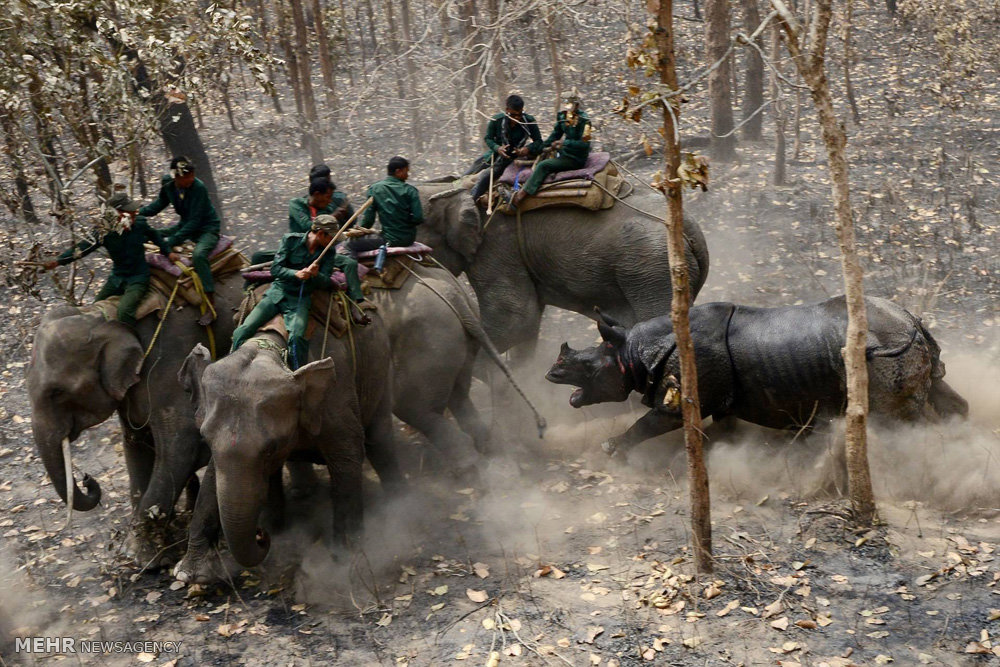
{"x":166,"y":311}
{"x":205,"y":304}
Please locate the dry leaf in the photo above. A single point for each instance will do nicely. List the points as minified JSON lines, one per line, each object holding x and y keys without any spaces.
{"x":806,"y":624}
{"x":482,"y":570}
{"x":597,"y":567}
{"x":513,"y":650}
{"x":385,"y":620}
{"x":780,"y":624}
{"x":494,"y":659}
{"x":145,"y":657}
{"x":692,"y":642}
{"x":440,"y":590}
{"x":477,"y":596}
{"x":593,"y":632}
{"x":730,"y":606}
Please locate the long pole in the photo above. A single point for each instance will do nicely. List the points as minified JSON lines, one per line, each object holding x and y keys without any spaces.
{"x":361,"y":209}
{"x":489,"y":205}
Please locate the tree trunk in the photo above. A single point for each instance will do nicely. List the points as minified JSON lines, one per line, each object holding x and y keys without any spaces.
{"x":291,"y":60}
{"x":411,"y":77}
{"x":468,"y":9}
{"x":347,"y":44}
{"x":550,"y":41}
{"x":182,"y":138}
{"x":325,"y":59}
{"x":266,"y":36}
{"x":311,"y":124}
{"x":778,"y":177}
{"x":373,"y":32}
{"x":21,"y":202}
{"x":811,"y":63}
{"x":463,"y":134}
{"x":753,"y":98}
{"x":701,"y":519}
{"x":361,"y":43}
{"x":723,"y":142}
{"x":500,"y":83}
{"x":848,"y":57}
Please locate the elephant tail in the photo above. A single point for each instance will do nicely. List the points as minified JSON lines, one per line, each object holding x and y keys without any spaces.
{"x":474,"y":328}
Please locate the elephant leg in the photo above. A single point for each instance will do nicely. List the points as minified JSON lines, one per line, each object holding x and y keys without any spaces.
{"x":139,"y":456}
{"x":191,"y":493}
{"x":273,"y":516}
{"x":344,"y":459}
{"x":303,"y":479}
{"x":466,"y":414}
{"x":201,"y":564}
{"x":648,"y":426}
{"x":454,"y":446}
{"x":511,"y":310}
{"x":380,"y":449}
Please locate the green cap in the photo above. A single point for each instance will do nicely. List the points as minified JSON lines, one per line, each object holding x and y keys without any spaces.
{"x":325,"y":223}
{"x":120,"y":201}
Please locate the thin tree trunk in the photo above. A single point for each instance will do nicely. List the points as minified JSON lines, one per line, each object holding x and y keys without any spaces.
{"x":411,"y":77}
{"x":265,"y":33}
{"x":390,"y":17}
{"x":701,"y":518}
{"x":468,"y":8}
{"x":325,"y":59}
{"x":723,"y":142}
{"x":550,"y":41}
{"x":753,"y":97}
{"x":697,"y":9}
{"x":361,"y":42}
{"x":347,"y":44}
{"x":291,"y":59}
{"x":500,"y":83}
{"x":848,"y":57}
{"x":308,"y":99}
{"x":779,"y":109}
{"x":21,"y":202}
{"x":536,"y":58}
{"x":463,"y":135}
{"x":373,"y":32}
{"x":811,"y":63}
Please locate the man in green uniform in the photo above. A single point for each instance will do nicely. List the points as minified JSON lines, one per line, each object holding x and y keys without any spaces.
{"x":398,"y":206}
{"x":199,"y":222}
{"x":571,"y":137}
{"x":123,"y":235}
{"x":324,"y":198}
{"x":296,"y":277}
{"x":507,"y":136}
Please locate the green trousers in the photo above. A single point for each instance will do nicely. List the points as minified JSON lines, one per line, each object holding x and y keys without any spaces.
{"x":131,"y":296}
{"x":345,"y":263}
{"x":199,"y":259}
{"x":546,"y":167}
{"x":296,"y":312}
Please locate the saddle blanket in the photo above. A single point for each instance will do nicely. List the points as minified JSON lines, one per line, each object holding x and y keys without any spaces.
{"x":595,"y":163}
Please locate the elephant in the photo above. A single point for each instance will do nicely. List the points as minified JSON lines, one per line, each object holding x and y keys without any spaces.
{"x":435,"y":333}
{"x":614,"y":259}
{"x":84,"y":369}
{"x":775,"y":367}
{"x":256,"y":415}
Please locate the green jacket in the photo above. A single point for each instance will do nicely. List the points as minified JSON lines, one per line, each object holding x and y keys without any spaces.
{"x":198,"y":216}
{"x":125,"y":249}
{"x":574,"y":147}
{"x":399,"y":210}
{"x":502,"y":131}
{"x":294,"y":255}
{"x":300,"y":215}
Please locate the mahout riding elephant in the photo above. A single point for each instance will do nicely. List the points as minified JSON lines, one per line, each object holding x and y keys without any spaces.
{"x":775,"y":367}
{"x":256,"y":414}
{"x":615,"y":259}
{"x":435,"y":333}
{"x":84,"y":369}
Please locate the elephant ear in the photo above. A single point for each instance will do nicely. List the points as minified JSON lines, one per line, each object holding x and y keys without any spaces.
{"x":464,"y":231}
{"x":191,"y":371}
{"x":120,"y":363}
{"x":314,"y":380}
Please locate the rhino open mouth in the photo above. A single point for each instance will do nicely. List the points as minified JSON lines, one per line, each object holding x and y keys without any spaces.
{"x":576,"y":398}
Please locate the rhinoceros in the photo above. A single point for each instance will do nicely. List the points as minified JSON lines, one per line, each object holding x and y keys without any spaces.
{"x":775,"y":367}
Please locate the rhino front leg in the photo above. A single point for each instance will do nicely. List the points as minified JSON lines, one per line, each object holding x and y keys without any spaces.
{"x":648,"y":426}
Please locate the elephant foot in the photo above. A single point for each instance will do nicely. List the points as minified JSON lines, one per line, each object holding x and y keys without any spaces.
{"x":152,"y":549}
{"x":203,"y":566}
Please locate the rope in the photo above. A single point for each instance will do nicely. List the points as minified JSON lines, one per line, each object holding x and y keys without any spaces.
{"x":622,"y":167}
{"x":206,"y":305}
{"x":637,"y":210}
{"x":350,"y":330}
{"x":166,"y":311}
{"x":326,"y":328}
{"x":539,"y":420}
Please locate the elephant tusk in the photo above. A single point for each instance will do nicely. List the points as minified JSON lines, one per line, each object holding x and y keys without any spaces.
{"x":70,"y":483}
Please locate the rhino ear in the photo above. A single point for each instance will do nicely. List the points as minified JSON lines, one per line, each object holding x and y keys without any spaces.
{"x":652,"y":354}
{"x":564,"y":348}
{"x":314,"y":380}
{"x":610,"y":334}
{"x":607,"y":319}
{"x":120,"y":362}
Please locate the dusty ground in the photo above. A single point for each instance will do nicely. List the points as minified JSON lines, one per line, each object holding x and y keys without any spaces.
{"x":575,"y":559}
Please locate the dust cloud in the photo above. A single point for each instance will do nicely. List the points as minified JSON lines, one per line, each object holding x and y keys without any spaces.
{"x":22,"y":613}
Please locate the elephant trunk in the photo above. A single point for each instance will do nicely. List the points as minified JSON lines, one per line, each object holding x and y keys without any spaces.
{"x":240,"y":505}
{"x":54,"y":449}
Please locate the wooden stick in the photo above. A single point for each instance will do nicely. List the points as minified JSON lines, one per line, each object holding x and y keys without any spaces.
{"x":361,"y":209}
{"x":489,"y":204}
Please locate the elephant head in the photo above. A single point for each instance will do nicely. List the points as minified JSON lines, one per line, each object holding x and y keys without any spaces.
{"x":452,"y":226}
{"x":81,"y":369}
{"x":253,"y":412}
